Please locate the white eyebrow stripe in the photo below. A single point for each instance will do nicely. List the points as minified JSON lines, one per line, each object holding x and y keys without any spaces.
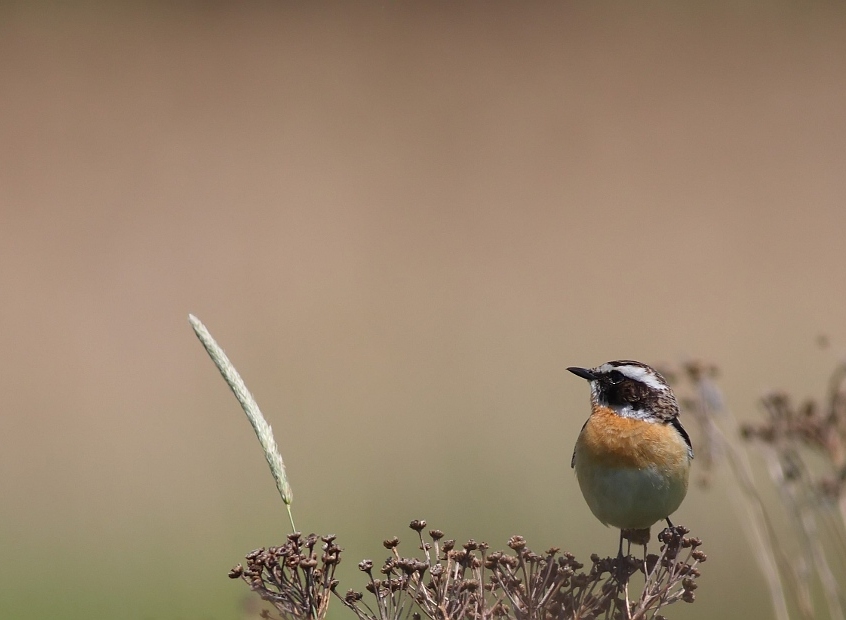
{"x":637,"y":373}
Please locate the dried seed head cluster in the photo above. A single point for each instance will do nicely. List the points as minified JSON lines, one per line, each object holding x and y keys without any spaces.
{"x":292,"y":577}
{"x":821,"y":426}
{"x":454,"y":582}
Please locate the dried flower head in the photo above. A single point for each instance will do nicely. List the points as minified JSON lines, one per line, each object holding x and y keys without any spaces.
{"x":471,"y":583}
{"x":292,"y":577}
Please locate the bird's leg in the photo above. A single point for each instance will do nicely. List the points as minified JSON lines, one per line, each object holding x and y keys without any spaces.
{"x":622,"y":576}
{"x":633,"y":536}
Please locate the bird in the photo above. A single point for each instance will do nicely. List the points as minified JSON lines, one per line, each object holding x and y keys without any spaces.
{"x":632,"y":457}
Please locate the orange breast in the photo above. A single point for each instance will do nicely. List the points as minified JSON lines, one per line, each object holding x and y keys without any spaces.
{"x":615,"y":441}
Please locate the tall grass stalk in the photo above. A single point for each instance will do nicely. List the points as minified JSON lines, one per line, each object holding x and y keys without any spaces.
{"x":251,"y":408}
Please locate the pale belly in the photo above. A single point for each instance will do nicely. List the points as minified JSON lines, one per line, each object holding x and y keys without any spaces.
{"x":630,"y":498}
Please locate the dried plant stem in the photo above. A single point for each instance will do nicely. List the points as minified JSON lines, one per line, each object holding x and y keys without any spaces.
{"x":706,"y":407}
{"x":794,"y":489}
{"x":251,"y":408}
{"x":827,"y":578}
{"x":836,"y":445}
{"x":757,"y":523}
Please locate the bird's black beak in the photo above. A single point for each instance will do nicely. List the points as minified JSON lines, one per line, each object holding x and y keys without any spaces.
{"x":584,"y":373}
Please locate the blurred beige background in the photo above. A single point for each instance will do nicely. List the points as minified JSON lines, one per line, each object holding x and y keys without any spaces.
{"x":402,"y":221}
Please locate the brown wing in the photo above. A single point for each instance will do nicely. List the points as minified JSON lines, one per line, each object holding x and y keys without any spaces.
{"x":676,"y":423}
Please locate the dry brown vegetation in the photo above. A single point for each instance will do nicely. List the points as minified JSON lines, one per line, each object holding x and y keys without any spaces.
{"x":455,"y":582}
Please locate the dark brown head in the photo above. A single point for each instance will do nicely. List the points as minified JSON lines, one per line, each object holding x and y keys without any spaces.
{"x":630,"y":389}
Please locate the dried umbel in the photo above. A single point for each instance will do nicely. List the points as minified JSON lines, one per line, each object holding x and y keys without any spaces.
{"x":453,"y":582}
{"x":293,"y":577}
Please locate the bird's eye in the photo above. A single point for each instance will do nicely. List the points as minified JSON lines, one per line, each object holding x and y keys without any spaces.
{"x":616,"y":376}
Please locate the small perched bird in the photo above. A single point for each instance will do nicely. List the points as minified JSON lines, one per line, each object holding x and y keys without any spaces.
{"x":632,"y":457}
